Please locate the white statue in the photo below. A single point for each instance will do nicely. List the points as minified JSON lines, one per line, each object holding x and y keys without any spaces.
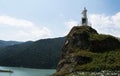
{"x":84,"y":17}
{"x":84,"y":12}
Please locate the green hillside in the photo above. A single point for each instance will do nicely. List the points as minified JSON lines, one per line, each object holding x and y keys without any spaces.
{"x":43,"y":54}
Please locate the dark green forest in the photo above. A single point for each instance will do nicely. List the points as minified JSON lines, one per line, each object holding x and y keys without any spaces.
{"x":43,"y":54}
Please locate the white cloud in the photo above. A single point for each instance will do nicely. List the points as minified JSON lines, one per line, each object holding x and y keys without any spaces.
{"x":19,"y":29}
{"x":116,"y":19}
{"x":106,"y":24}
{"x":102,"y":23}
{"x":71,"y":23}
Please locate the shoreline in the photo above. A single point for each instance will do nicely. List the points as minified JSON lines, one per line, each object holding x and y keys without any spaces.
{"x":7,"y":71}
{"x":28,"y":67}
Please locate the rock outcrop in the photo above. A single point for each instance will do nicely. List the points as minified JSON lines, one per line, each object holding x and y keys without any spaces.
{"x":86,"y":50}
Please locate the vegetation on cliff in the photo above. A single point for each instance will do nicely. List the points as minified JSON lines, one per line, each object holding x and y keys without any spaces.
{"x":86,"y":50}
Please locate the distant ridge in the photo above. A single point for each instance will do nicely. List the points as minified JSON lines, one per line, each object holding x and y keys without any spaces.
{"x":43,"y":54}
{"x":8,"y":43}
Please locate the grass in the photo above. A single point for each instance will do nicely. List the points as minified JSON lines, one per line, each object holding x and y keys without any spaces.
{"x":99,"y":37}
{"x":101,"y":61}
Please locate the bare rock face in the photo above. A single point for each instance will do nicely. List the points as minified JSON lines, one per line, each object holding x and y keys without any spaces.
{"x":78,"y":38}
{"x":79,"y":43}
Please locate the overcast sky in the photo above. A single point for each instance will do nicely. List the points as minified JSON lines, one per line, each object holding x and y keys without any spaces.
{"x":23,"y":20}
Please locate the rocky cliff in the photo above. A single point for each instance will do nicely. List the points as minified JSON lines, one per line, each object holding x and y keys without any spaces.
{"x":87,"y":50}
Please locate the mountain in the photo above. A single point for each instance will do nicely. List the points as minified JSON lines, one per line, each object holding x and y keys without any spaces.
{"x":43,"y":54}
{"x":8,"y":43}
{"x":85,"y":50}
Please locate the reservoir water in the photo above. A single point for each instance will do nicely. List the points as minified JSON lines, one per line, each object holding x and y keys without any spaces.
{"x":26,"y":71}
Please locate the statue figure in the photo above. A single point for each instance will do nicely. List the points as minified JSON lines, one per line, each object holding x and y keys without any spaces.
{"x":84,"y":17}
{"x":84,"y":12}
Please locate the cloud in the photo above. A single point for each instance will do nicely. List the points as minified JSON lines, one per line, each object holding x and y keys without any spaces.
{"x":102,"y":23}
{"x":116,"y":19}
{"x":71,"y":23}
{"x":106,"y":24}
{"x":11,"y":21}
{"x":21,"y":30}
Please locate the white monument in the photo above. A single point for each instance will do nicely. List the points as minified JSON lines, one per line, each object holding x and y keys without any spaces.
{"x":84,"y":17}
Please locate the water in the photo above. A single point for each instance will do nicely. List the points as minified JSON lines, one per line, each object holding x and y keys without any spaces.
{"x":26,"y":71}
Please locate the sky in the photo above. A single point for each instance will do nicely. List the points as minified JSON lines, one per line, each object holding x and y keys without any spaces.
{"x":25,"y":20}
